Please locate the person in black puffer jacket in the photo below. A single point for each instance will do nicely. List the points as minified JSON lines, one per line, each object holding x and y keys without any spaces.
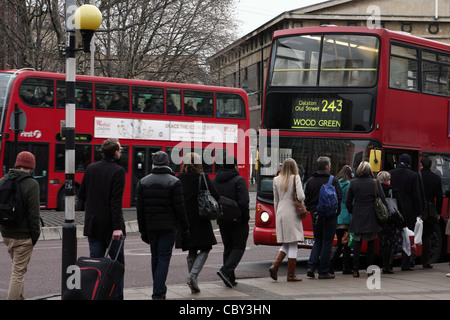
{"x":234,"y":233}
{"x":160,"y":207}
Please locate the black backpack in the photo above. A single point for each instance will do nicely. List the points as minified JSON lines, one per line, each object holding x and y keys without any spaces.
{"x":12,"y":211}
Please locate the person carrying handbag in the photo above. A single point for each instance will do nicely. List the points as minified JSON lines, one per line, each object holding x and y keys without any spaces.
{"x":289,"y":226}
{"x":201,"y":235}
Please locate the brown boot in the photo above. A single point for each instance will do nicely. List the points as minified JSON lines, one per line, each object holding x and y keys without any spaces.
{"x":291,"y":270}
{"x":273,"y":270}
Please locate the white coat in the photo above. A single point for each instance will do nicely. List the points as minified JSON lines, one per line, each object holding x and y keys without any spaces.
{"x":289,"y":227}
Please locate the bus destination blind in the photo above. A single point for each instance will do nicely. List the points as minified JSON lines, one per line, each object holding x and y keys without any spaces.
{"x":317,"y":113}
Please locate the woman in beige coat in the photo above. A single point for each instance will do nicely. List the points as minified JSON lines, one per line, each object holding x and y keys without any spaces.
{"x":289,"y":227}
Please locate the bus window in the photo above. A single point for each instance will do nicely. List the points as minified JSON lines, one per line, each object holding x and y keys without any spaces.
{"x":230,"y":106}
{"x":435,"y":73}
{"x":198,"y":103}
{"x":349,"y":60}
{"x":83,"y":95}
{"x":404,"y":66}
{"x":175,"y":157}
{"x":148,"y":100}
{"x":37,"y":92}
{"x":173,"y":101}
{"x":441,"y":166}
{"x":296,"y":61}
{"x":111,"y":97}
{"x":83,"y":157}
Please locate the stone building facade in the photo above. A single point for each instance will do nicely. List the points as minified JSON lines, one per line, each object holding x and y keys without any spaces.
{"x":244,"y":63}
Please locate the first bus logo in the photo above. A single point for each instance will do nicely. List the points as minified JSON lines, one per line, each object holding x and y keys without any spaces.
{"x":37,"y":134}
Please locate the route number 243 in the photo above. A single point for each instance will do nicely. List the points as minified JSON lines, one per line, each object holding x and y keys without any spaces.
{"x":331,"y":105}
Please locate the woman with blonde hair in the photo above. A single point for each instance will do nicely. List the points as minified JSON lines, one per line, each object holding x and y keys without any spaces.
{"x":289,"y":227}
{"x":201,"y":235}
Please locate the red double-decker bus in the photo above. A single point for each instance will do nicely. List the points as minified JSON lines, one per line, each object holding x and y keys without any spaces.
{"x":146,"y":116}
{"x":343,"y":92}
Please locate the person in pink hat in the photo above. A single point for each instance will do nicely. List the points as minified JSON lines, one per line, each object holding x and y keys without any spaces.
{"x":21,"y":237}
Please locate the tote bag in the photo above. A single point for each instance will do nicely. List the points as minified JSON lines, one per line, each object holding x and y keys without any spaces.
{"x":208,"y":207}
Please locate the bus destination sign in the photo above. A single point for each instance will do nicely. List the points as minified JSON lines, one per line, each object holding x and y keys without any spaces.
{"x":318,"y":113}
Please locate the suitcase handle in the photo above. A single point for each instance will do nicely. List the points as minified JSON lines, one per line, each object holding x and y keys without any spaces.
{"x":122,"y":240}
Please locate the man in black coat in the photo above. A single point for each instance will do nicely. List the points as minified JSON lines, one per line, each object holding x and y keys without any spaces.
{"x":160,"y":207}
{"x":432,"y":185}
{"x":102,"y":190}
{"x":407,"y":183}
{"x":234,"y":234}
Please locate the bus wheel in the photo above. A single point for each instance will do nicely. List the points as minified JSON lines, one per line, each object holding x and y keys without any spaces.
{"x":61,"y":205}
{"x":436,"y":244}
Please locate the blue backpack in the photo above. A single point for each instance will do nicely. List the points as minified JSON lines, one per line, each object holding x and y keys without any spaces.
{"x":328,"y":200}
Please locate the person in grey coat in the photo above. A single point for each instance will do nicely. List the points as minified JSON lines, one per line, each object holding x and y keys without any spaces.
{"x":360,"y":202}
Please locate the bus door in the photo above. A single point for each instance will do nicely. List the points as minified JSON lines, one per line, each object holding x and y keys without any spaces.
{"x":391,"y":158}
{"x":142,"y":166}
{"x":41,"y":153}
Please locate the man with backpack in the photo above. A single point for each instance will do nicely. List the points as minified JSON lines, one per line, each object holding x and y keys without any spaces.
{"x":20,"y":226}
{"x":323,"y":197}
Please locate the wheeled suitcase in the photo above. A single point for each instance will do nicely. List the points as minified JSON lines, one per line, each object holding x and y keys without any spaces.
{"x":99,"y":277}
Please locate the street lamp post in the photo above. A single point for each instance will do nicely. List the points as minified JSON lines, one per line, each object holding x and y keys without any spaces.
{"x":87,"y":19}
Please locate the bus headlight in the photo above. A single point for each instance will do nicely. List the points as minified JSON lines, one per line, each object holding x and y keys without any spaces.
{"x":264,"y":216}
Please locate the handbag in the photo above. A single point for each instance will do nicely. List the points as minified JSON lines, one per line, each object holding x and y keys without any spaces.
{"x":300,"y":207}
{"x":208,"y":207}
{"x":395,"y":217}
{"x":380,"y":209}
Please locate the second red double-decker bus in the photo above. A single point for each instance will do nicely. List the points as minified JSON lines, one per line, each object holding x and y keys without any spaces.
{"x":343,"y":92}
{"x":146,"y":116}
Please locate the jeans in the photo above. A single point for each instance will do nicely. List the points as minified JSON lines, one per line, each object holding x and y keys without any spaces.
{"x":161,"y":246}
{"x":324,"y":230}
{"x":97,"y":249}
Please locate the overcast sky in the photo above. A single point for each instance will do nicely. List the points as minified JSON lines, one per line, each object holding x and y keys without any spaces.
{"x":255,"y":13}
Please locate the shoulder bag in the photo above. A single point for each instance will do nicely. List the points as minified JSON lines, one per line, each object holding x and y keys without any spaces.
{"x":208,"y":207}
{"x":380,"y":209}
{"x":395,"y":217}
{"x":300,"y":208}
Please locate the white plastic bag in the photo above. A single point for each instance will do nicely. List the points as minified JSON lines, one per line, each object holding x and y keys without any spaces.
{"x":406,"y":244}
{"x":418,"y":230}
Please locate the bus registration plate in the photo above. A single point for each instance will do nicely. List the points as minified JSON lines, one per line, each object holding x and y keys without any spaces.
{"x":307,"y":242}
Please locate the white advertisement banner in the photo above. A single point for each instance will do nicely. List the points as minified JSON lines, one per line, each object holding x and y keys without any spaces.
{"x":165,"y":130}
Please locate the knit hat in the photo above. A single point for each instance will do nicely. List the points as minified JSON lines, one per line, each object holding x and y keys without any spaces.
{"x":406,"y":159}
{"x":25,"y":159}
{"x":160,"y":158}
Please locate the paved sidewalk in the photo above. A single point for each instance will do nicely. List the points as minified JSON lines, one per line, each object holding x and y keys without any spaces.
{"x":420,"y":284}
